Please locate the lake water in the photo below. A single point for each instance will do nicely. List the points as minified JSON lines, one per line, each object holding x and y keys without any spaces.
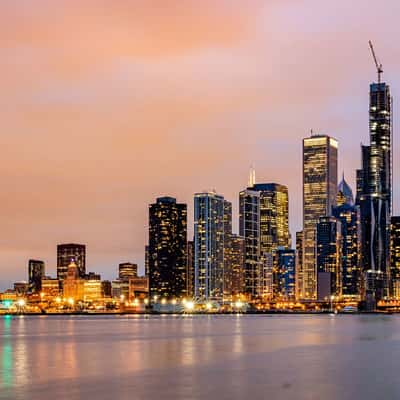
{"x":200,"y":357}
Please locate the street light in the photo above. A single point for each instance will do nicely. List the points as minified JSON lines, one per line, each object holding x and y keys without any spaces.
{"x":189,"y":305}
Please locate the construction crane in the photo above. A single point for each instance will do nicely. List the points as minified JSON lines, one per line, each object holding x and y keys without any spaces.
{"x":379,"y":66}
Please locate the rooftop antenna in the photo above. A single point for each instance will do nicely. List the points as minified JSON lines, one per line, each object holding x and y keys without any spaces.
{"x":378,"y":65}
{"x":252,"y":176}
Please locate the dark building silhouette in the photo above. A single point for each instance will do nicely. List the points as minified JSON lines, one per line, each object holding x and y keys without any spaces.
{"x":395,"y":256}
{"x":36,"y":272}
{"x":68,"y":252}
{"x":167,"y":248}
{"x":284,"y":274}
{"x":329,"y":245}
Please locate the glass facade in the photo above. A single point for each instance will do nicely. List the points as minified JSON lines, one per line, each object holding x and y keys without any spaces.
{"x":249,"y":229}
{"x":320,"y":154}
{"x":68,"y":252}
{"x":209,"y":246}
{"x":374,"y":193}
{"x":167,"y":248}
{"x":36,"y":272}
{"x":329,"y":255}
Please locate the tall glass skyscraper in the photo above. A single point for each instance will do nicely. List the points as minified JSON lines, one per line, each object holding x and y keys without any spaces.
{"x":320,"y":154}
{"x":374,"y":193}
{"x":36,"y":272}
{"x":209,"y":246}
{"x":274,"y":216}
{"x":349,"y":216}
{"x":71,"y":252}
{"x":167,"y":248}
{"x":249,"y":229}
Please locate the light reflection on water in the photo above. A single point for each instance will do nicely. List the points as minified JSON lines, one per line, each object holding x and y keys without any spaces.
{"x":200,"y":357}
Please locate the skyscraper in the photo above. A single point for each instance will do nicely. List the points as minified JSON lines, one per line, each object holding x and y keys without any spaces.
{"x":167,"y":248}
{"x":349,"y":216}
{"x":249,"y":229}
{"x":36,"y":272}
{"x":299,"y":264}
{"x":320,"y":154}
{"x":274,"y":216}
{"x":209,"y":246}
{"x":190,"y":269}
{"x":237,"y":258}
{"x":374,"y":193}
{"x":395,"y":256}
{"x":284,"y":281}
{"x":68,"y":252}
{"x":329,"y":246}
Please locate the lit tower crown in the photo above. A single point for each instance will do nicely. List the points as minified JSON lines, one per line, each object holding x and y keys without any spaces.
{"x":345,"y":194}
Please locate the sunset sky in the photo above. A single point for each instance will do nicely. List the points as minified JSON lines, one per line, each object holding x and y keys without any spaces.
{"x":106,"y":105}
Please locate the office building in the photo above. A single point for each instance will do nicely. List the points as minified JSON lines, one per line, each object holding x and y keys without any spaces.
{"x":190,"y":269}
{"x":68,"y":252}
{"x":36,"y":272}
{"x":209,"y":246}
{"x":73,"y":284}
{"x":284,"y":274}
{"x":249,"y":229}
{"x":374,"y":194}
{"x":395,"y":256}
{"x":329,"y":245}
{"x":274,"y":216}
{"x":167,"y":249}
{"x":299,"y":264}
{"x":349,"y":216}
{"x":320,"y":154}
{"x":127,"y":270}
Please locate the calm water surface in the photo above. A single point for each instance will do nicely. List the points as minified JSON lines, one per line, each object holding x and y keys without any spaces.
{"x":200,"y":357}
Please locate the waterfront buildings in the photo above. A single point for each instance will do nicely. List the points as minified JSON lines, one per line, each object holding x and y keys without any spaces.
{"x":36,"y":272}
{"x":209,"y":246}
{"x":320,"y":155}
{"x":73,"y":284}
{"x":349,"y":216}
{"x":167,"y":262}
{"x":329,"y":246}
{"x":274,"y":216}
{"x":66,"y":253}
{"x":299,"y":264}
{"x":249,"y":229}
{"x":374,"y":194}
{"x":395,"y":256}
{"x":127,"y":270}
{"x":190,"y":269}
{"x":284,"y":279}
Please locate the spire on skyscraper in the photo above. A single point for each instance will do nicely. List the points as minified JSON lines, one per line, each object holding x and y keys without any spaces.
{"x":345,"y":189}
{"x":252,"y":176}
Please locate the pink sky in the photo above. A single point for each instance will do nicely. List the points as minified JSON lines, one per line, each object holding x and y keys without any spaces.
{"x":106,"y":105}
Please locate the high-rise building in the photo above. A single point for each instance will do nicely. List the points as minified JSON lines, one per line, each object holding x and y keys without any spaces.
{"x":228,"y":251}
{"x":167,"y":248}
{"x":36,"y":272}
{"x":329,"y":245}
{"x":237,"y":258}
{"x":68,"y":252}
{"x":320,"y":155}
{"x":374,"y":194}
{"x":127,"y":270}
{"x":349,"y":216}
{"x":274,"y":216}
{"x":209,"y":246}
{"x":284,"y":274}
{"x":190,"y":269}
{"x":299,"y":264}
{"x":395,"y":256}
{"x":249,"y":229}
{"x":73,"y":286}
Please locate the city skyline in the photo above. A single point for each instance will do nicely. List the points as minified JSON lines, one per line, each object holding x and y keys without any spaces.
{"x":97,"y":193}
